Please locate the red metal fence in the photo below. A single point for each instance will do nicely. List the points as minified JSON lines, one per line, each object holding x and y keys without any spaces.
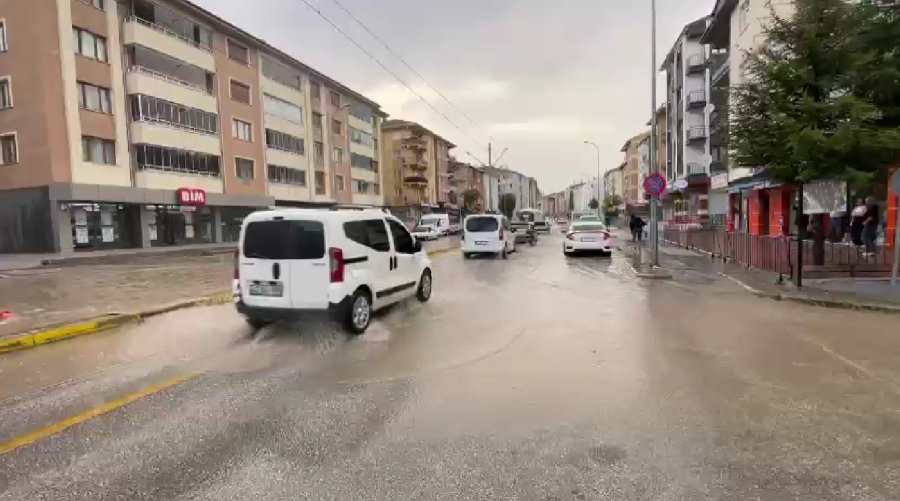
{"x":755,"y":251}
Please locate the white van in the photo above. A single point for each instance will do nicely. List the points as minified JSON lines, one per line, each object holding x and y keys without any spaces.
{"x":487,"y":233}
{"x":345,"y":262}
{"x":443,"y":223}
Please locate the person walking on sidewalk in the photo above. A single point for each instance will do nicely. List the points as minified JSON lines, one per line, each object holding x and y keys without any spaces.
{"x":870,"y":227}
{"x":637,"y":228}
{"x":858,"y":222}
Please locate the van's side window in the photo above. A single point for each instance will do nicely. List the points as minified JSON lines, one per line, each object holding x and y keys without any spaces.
{"x":403,"y":241}
{"x":372,"y":233}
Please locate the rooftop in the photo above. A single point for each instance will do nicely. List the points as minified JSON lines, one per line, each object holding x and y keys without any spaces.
{"x":396,"y":124}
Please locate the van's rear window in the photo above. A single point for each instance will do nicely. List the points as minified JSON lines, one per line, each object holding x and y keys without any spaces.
{"x":284,"y":240}
{"x":482,"y":224}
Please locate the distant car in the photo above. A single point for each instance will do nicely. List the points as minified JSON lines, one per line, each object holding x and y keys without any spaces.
{"x":563,"y":225}
{"x":426,"y":232}
{"x":588,"y":236}
{"x":588,"y":217}
{"x":487,"y":233}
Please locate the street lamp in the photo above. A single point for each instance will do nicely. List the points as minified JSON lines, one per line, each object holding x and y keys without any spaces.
{"x":598,"y":174}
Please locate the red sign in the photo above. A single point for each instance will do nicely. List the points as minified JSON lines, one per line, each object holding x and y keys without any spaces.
{"x":654,"y":184}
{"x":191,"y":196}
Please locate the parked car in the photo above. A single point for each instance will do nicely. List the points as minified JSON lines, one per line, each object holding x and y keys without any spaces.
{"x":426,"y":233}
{"x":563,"y":225}
{"x":441,"y":222}
{"x":589,"y":217}
{"x":346,"y":263}
{"x":487,"y":233}
{"x":588,"y":236}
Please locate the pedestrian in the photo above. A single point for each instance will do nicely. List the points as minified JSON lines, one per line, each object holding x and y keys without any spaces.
{"x":857,"y":222}
{"x":870,"y":227}
{"x":636,"y":225}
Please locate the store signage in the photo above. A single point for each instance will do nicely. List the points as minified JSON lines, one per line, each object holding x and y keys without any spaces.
{"x":719,"y":181}
{"x":681,"y":184}
{"x":191,"y":196}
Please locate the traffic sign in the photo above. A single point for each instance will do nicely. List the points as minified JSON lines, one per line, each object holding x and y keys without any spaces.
{"x":654,"y":184}
{"x":681,"y":184}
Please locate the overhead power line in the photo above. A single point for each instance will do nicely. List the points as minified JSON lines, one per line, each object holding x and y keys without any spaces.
{"x":410,"y":68}
{"x":389,"y":71}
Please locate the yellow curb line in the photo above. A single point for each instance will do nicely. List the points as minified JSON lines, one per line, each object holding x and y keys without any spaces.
{"x":55,"y":428}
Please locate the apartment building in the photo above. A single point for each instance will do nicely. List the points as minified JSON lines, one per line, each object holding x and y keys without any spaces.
{"x":632,"y":177}
{"x":465,"y":177}
{"x":415,"y":162}
{"x":138,"y":123}
{"x":524,"y":188}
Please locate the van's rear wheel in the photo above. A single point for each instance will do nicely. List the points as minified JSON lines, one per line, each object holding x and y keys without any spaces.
{"x":359,"y":314}
{"x":256,"y":322}
{"x":423,"y":294}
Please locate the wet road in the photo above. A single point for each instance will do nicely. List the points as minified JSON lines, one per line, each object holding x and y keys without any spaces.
{"x":540,"y":377}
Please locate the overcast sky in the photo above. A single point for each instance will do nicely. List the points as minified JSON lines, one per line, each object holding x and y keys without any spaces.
{"x":539,"y":76}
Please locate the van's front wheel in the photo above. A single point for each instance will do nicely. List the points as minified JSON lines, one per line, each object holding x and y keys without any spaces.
{"x":359,"y":314}
{"x":423,"y":294}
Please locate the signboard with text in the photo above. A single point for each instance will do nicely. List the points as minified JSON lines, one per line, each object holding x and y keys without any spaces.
{"x":191,"y":196}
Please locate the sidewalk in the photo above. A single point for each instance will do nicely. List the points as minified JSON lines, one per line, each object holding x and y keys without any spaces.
{"x":23,"y":261}
{"x":49,"y":296}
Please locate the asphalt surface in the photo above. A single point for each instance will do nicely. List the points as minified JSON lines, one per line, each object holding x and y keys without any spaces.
{"x":539,"y":377}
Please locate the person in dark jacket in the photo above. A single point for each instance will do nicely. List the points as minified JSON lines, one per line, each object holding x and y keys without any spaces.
{"x":637,"y":228}
{"x":870,"y":227}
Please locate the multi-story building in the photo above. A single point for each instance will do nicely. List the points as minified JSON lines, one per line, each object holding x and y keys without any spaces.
{"x":632,"y":178}
{"x":662,"y":138}
{"x":415,"y":163}
{"x":491,"y":181}
{"x":463,"y":178}
{"x":524,"y":188}
{"x":135,"y":124}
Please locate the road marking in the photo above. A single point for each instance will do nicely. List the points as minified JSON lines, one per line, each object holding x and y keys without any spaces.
{"x":55,"y":428}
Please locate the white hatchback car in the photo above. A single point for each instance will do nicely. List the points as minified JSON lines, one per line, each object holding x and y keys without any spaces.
{"x":487,"y":233}
{"x":588,"y":236}
{"x":347,"y":263}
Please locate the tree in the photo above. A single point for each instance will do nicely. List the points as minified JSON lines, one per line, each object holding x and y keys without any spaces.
{"x":593,"y":204}
{"x":508,"y":204}
{"x":610,"y":202}
{"x":470,"y":200}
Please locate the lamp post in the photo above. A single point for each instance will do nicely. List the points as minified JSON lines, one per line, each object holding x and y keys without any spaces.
{"x":599,"y":202}
{"x":654,"y":200}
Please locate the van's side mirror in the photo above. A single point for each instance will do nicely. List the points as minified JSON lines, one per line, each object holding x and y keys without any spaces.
{"x":417,"y":245}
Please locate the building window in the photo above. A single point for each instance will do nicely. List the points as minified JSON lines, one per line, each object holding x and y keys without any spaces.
{"x":744,"y":15}
{"x":320,"y":183}
{"x":281,"y":74}
{"x":337,"y":155}
{"x":173,"y":23}
{"x":286,"y":175}
{"x":336,"y":126}
{"x":317,"y":121}
{"x":361,"y":137}
{"x":88,"y":44}
{"x":286,"y":142}
{"x":376,"y":188}
{"x":282,"y":109}
{"x":239,"y":91}
{"x":318,"y":149}
{"x":335,"y":98}
{"x":242,"y":130}
{"x":3,"y":44}
{"x":94,"y":98}
{"x":363,"y":162}
{"x":238,"y":52}
{"x":338,"y":182}
{"x":363,"y":113}
{"x":163,"y":159}
{"x":315,"y":90}
{"x":99,"y":4}
{"x":98,"y":151}
{"x":152,"y":109}
{"x":361,"y":187}
{"x":9,"y":149}
{"x":243,"y":168}
{"x":5,"y":93}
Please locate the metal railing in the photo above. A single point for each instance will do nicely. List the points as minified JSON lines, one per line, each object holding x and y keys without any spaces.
{"x":694,"y":168}
{"x":696,"y":132}
{"x":162,"y":76}
{"x":696,"y":62}
{"x":754,"y":251}
{"x":167,"y":31}
{"x":696,"y":97}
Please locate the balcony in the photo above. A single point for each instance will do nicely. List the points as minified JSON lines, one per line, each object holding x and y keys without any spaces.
{"x":417,"y":164}
{"x":146,"y":81}
{"x":718,"y":121}
{"x":718,"y":166}
{"x":721,"y":67}
{"x":696,"y":63}
{"x":414,"y":143}
{"x":696,"y":133}
{"x":319,"y":162}
{"x":695,"y":169}
{"x":696,"y":98}
{"x":137,"y":31}
{"x":316,"y":103}
{"x":317,"y":133}
{"x":157,"y":133}
{"x":416,"y":181}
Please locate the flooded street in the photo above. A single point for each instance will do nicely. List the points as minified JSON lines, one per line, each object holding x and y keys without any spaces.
{"x":539,"y":377}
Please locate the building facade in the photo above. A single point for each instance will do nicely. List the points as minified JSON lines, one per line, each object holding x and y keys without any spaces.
{"x":415,"y":163}
{"x":632,"y":177}
{"x":140,"y":124}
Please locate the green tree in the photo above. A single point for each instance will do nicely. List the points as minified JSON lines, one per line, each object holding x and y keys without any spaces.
{"x":470,"y":199}
{"x":812,"y":106}
{"x":610,"y":202}
{"x":593,"y":204}
{"x":508,"y":204}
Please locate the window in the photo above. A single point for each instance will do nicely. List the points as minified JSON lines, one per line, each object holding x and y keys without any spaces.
{"x":5,"y":93}
{"x":481,"y":224}
{"x":282,"y":109}
{"x":242,"y":130}
{"x":335,"y":98}
{"x":98,"y":151}
{"x":403,"y":241}
{"x":360,"y":186}
{"x":361,"y":137}
{"x":243,"y":168}
{"x":363,"y":162}
{"x":174,"y":23}
{"x":238,"y":52}
{"x":362,"y":112}
{"x":336,"y":126}
{"x":281,"y":74}
{"x":286,"y":175}
{"x":3,"y":45}
{"x":338,"y":182}
{"x":376,"y":188}
{"x":282,"y":141}
{"x":240,"y":92}
{"x":318,"y":149}
{"x":163,"y":159}
{"x":100,"y":4}
{"x":294,"y":239}
{"x":315,"y":90}
{"x":9,"y":149}
{"x":88,"y":44}
{"x":337,"y":155}
{"x":153,"y":109}
{"x":94,"y":98}
{"x":320,"y":183}
{"x":372,"y":233}
{"x":744,"y":15}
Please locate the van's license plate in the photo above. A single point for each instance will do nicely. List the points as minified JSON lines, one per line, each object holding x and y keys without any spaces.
{"x":480,"y":242}
{"x":269,"y":289}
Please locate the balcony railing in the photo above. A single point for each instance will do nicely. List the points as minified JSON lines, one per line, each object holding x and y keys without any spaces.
{"x":718,"y":166}
{"x":416,"y":180}
{"x":167,"y":31}
{"x":416,"y":164}
{"x":319,"y":161}
{"x":168,"y":78}
{"x":720,"y":68}
{"x":414,"y":143}
{"x":718,"y":120}
{"x":695,"y":63}
{"x":695,"y":169}
{"x":696,"y":133}
{"x":696,"y":98}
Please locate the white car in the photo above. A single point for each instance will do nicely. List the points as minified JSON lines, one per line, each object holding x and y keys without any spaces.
{"x":425,"y":232}
{"x":347,"y":263}
{"x":588,"y":236}
{"x":487,"y":233}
